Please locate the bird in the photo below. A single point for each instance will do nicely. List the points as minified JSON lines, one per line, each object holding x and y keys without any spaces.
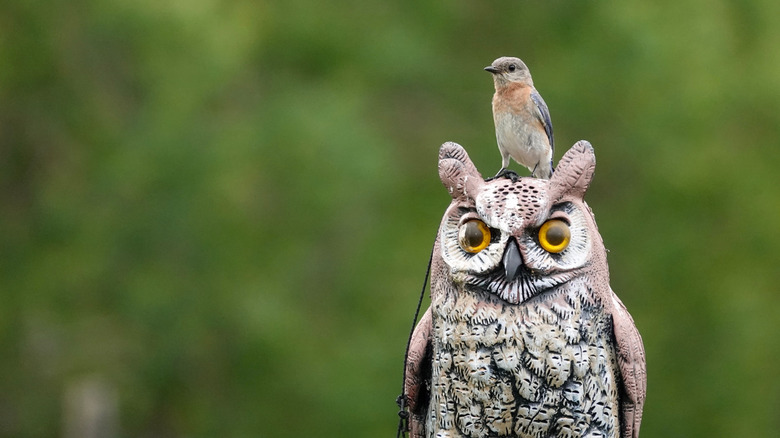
{"x":523,"y":127}
{"x":524,"y":336}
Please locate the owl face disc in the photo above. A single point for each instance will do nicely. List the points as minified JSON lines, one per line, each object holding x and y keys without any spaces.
{"x":507,"y":241}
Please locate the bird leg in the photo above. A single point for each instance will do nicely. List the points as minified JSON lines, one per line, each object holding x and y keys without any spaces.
{"x":504,"y":173}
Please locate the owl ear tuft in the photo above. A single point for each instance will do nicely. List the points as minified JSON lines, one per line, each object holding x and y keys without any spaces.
{"x":574,"y":172}
{"x":456,"y":171}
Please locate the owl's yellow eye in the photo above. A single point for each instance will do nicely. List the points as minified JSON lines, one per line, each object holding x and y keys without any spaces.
{"x":474,"y":236}
{"x":554,"y":235}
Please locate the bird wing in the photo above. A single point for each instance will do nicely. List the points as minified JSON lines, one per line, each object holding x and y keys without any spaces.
{"x":631,"y":360}
{"x":544,"y":116}
{"x":418,"y":374}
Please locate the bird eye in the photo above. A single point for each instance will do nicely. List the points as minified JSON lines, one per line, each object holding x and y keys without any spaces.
{"x":474,"y":236}
{"x":512,"y":67}
{"x":554,"y":236}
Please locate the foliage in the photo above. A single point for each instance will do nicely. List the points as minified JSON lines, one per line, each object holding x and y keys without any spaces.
{"x":224,"y":208}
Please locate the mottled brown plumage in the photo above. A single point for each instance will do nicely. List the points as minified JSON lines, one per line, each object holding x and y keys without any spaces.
{"x":524,"y":336}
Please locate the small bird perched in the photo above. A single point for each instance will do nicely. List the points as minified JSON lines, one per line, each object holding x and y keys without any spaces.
{"x":523,"y":127}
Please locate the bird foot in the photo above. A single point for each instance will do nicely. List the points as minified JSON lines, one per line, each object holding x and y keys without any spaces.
{"x":504,"y":173}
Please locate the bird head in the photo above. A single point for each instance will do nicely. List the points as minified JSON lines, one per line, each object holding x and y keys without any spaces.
{"x":508,"y":69}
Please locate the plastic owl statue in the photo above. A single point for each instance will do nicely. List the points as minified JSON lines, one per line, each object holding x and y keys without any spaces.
{"x":524,"y":336}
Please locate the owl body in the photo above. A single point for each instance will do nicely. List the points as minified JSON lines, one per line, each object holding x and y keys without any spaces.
{"x":524,"y":336}
{"x":522,"y":370}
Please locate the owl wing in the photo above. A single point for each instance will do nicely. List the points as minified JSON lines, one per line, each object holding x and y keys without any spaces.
{"x":418,"y":374}
{"x":631,"y":360}
{"x":544,"y":115}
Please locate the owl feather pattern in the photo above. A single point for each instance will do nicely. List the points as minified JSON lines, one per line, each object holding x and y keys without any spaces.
{"x":524,"y":336}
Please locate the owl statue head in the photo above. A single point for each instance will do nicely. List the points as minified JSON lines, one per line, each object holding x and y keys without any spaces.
{"x":516,"y":239}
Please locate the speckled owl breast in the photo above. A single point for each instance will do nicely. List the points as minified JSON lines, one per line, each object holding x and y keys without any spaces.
{"x":541,"y":368}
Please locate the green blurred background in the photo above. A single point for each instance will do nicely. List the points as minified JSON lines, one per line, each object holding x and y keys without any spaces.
{"x":217,"y":214}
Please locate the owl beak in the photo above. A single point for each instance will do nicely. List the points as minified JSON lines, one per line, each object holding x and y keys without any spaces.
{"x":513,"y":261}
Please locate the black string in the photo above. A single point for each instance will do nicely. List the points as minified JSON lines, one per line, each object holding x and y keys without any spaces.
{"x":403,"y":420}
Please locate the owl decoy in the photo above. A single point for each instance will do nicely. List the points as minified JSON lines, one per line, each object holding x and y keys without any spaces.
{"x":524,"y":336}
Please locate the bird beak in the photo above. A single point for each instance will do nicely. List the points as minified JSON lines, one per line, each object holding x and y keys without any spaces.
{"x":513,"y":261}
{"x":491,"y":69}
